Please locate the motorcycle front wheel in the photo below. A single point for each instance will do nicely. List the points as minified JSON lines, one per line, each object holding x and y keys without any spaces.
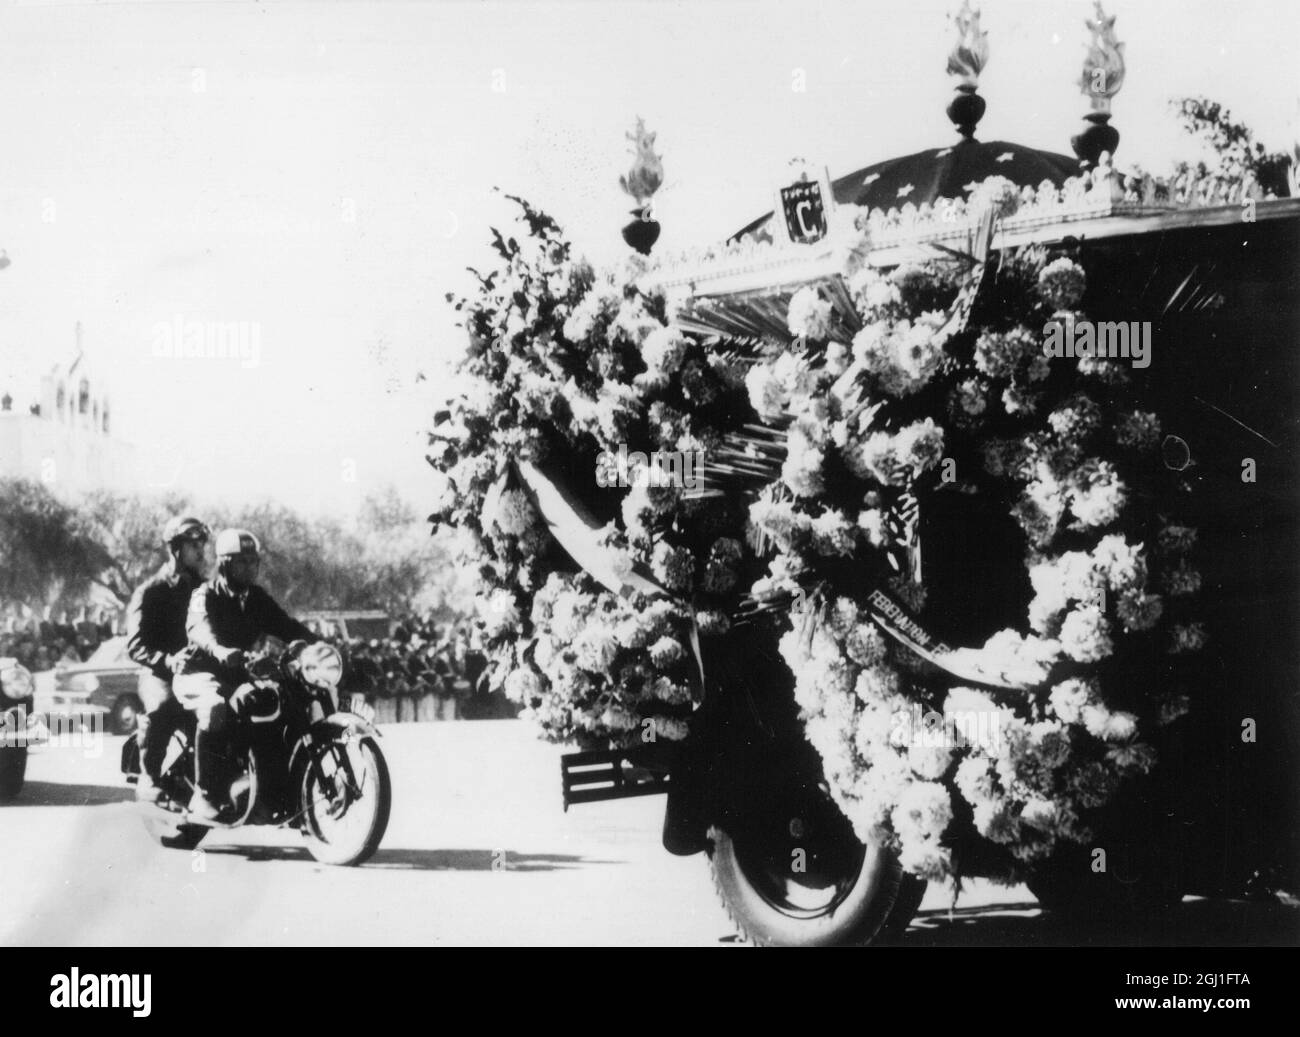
{"x":346,"y":797}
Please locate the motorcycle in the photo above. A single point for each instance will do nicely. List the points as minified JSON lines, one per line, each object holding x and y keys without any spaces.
{"x":302,"y":760}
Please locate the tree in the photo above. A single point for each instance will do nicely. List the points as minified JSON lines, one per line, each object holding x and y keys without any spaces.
{"x":47,"y":550}
{"x":128,"y":530}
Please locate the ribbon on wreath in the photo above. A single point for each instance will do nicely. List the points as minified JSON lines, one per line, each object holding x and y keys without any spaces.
{"x":583,"y":537}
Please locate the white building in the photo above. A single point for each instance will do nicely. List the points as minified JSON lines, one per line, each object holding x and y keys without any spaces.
{"x":65,"y":439}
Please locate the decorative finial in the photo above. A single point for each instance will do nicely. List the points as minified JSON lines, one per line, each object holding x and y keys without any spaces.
{"x":641,"y":182}
{"x":1103,"y":68}
{"x":966,"y":61}
{"x":971,"y":53}
{"x":1102,"y":77}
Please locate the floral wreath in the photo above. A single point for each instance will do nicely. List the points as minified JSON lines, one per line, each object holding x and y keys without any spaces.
{"x":872,"y":395}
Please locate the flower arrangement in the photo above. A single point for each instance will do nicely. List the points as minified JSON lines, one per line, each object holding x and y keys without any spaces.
{"x":564,"y":366}
{"x":822,"y":437}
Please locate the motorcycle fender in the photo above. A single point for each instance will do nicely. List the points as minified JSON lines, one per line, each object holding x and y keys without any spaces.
{"x":349,"y":725}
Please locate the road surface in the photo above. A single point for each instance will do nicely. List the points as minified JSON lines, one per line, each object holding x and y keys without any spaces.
{"x":77,"y":867}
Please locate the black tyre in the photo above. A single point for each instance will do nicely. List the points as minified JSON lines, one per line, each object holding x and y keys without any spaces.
{"x":843,"y":894}
{"x":125,"y":717}
{"x":13,"y":772}
{"x":346,"y":797}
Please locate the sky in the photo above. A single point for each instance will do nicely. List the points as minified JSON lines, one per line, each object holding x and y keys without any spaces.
{"x":323,"y":174}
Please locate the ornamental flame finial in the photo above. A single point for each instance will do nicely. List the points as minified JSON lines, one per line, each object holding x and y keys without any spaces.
{"x":647,"y":172}
{"x":1103,"y":68}
{"x":971,"y":53}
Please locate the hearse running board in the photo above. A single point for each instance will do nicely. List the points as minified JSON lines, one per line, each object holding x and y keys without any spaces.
{"x":613,"y":774}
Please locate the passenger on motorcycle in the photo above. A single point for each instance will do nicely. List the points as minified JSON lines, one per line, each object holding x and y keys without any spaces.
{"x":156,"y":640}
{"x":227,"y":616}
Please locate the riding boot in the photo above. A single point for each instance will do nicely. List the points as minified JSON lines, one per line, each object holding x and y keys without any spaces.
{"x":158,"y":729}
{"x":210,"y":763}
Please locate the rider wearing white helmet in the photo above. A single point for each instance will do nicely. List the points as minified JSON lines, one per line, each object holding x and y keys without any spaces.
{"x":227,"y":616}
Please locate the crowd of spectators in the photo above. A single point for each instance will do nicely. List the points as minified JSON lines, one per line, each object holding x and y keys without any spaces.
{"x":424,"y":670}
{"x":42,"y":642}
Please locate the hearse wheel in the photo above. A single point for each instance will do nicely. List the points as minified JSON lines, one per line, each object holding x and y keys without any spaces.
{"x":800,"y":878}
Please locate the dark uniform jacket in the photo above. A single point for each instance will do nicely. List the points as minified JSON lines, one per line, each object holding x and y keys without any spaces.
{"x":219,"y":619}
{"x":155,"y":619}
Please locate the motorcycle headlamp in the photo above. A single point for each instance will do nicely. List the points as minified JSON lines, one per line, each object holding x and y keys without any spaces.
{"x":321,"y":665}
{"x":16,"y":681}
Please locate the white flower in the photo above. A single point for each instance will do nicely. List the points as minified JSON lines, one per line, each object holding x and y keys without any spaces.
{"x":918,"y":352}
{"x":873,"y":293}
{"x":1069,"y":699}
{"x":1061,"y":283}
{"x":1085,"y":635}
{"x":1098,"y":495}
{"x":969,"y":398}
{"x":926,"y":858}
{"x":595,"y":648}
{"x":865,"y":644}
{"x":1122,"y":563}
{"x":514,"y":514}
{"x":666,"y":651}
{"x":674,"y":567}
{"x":833,"y":534}
{"x":872,"y":521}
{"x":618,"y":719}
{"x":876,"y":683}
{"x":601,"y":301}
{"x":1000,"y":354}
{"x":672,"y":728}
{"x":522,"y":685}
{"x":997,"y":192}
{"x":924,"y":810}
{"x":929,"y":761}
{"x":1107,"y":726}
{"x":499,"y":612}
{"x":1039,"y":813}
{"x":663,"y":350}
{"x":809,"y":315}
{"x":802,"y":470}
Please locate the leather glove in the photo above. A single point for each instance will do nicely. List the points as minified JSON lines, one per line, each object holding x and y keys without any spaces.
{"x":177,"y":661}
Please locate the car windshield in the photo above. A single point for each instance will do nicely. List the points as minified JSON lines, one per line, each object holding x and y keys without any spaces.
{"x":110,"y":653}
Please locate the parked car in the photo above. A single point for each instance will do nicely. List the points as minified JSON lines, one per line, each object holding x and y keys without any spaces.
{"x":108,"y":684}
